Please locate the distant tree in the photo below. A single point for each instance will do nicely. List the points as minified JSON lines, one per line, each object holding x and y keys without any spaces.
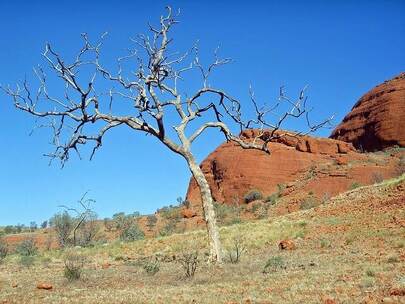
{"x":44,"y":224}
{"x":9,"y":229}
{"x":63,"y":224}
{"x":160,"y":107}
{"x":33,"y":226}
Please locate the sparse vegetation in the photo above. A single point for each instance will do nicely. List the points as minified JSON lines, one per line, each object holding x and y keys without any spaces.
{"x":273,"y":264}
{"x":27,"y":260}
{"x":189,"y":262}
{"x":27,"y":248}
{"x":73,"y":266}
{"x":3,"y":250}
{"x":236,"y":250}
{"x":132,"y":233}
{"x":377,"y":177}
{"x":152,"y":267}
{"x":309,"y":202}
{"x":355,"y":185}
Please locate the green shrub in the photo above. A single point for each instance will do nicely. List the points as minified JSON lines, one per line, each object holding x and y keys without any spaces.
{"x":355,"y":185}
{"x":252,"y":195}
{"x":393,"y":259}
{"x":27,"y":248}
{"x":168,"y":229}
{"x":236,"y":250}
{"x":273,"y":264}
{"x":189,"y":263}
{"x":325,"y":243}
{"x":227,"y":214}
{"x":308,"y":203}
{"x":27,"y":260}
{"x":152,"y":267}
{"x":3,"y":250}
{"x":171,"y":212}
{"x":370,"y":273}
{"x":151,"y":221}
{"x":132,"y":233}
{"x":74,"y":264}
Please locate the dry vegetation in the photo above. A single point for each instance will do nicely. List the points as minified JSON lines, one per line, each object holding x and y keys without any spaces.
{"x":350,"y":249}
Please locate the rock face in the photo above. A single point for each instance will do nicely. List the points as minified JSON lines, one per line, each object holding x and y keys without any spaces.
{"x":296,"y":165}
{"x":377,"y":120}
{"x":232,"y":171}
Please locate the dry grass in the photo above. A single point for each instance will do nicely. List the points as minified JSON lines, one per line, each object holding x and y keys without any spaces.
{"x":363,"y":260}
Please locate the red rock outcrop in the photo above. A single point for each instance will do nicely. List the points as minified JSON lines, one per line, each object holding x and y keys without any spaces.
{"x":377,"y":120}
{"x":302,"y":164}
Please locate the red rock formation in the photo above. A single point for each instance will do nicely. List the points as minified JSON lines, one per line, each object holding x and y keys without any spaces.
{"x":323,"y":166}
{"x":233,"y":171}
{"x":377,"y":120}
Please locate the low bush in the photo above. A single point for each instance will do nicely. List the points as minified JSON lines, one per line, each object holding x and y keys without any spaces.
{"x":152,"y":267}
{"x":308,"y":203}
{"x":27,"y":248}
{"x":74,"y":264}
{"x":252,"y":195}
{"x":355,"y":185}
{"x":236,"y":250}
{"x":27,"y":260}
{"x":132,"y":233}
{"x":168,"y":229}
{"x":3,"y":250}
{"x":189,"y":263}
{"x":273,"y":264}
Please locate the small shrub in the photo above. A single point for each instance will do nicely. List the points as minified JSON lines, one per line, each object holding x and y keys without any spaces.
{"x":299,"y":235}
{"x":325,"y":243}
{"x":272,"y":199}
{"x":27,"y":260}
{"x":236,"y":251}
{"x":132,"y":233}
{"x":252,"y":195}
{"x":370,"y":273}
{"x":377,"y":177}
{"x":308,"y":203}
{"x":3,"y":250}
{"x":273,"y":264}
{"x":355,"y":185}
{"x":326,"y":197}
{"x":152,"y":267}
{"x":27,"y":248}
{"x":392,"y":259}
{"x":74,"y":264}
{"x":189,"y":263}
{"x":171,"y":212}
{"x":367,"y":283}
{"x":168,"y":229}
{"x":401,"y":165}
{"x":151,"y":221}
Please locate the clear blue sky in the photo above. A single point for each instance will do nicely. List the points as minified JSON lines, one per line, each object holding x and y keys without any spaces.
{"x":340,"y":48}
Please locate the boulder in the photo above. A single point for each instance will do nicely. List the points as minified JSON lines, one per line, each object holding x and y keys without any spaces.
{"x":286,"y":245}
{"x":44,"y":286}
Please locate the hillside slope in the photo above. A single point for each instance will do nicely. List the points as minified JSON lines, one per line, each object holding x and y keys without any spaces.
{"x":348,"y":250}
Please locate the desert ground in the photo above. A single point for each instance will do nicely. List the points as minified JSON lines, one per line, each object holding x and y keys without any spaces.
{"x":350,"y":249}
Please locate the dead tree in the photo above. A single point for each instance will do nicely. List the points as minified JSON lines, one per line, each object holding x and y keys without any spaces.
{"x":82,"y":112}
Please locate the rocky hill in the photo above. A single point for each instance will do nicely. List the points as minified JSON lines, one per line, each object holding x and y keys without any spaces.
{"x":377,"y":120}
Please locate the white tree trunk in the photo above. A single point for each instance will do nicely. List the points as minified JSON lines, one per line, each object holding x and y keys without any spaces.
{"x":208,"y":208}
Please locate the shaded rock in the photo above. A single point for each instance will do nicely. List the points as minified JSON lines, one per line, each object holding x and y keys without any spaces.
{"x":377,"y":120}
{"x":188,"y":213}
{"x":286,"y":245}
{"x":44,"y":286}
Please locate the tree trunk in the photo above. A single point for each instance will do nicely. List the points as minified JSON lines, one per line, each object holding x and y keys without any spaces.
{"x":208,"y":208}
